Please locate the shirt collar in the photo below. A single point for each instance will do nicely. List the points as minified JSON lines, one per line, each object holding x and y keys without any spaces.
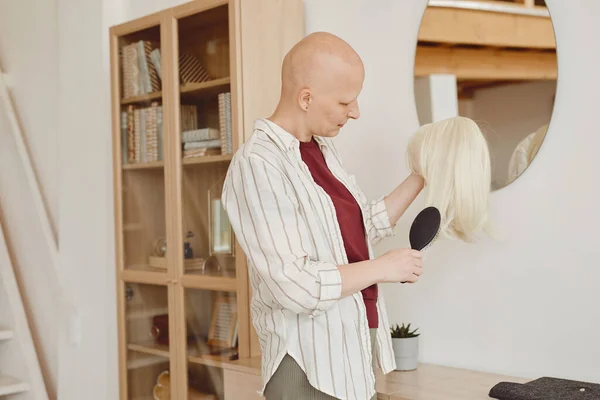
{"x":283,"y":138}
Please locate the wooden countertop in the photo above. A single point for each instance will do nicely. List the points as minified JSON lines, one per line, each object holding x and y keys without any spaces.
{"x":436,"y":382}
{"x":427,"y":382}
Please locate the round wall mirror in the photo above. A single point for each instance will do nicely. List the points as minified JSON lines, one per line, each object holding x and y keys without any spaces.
{"x":494,"y":62}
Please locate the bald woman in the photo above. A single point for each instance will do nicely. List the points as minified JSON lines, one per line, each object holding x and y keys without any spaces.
{"x":307,"y":230}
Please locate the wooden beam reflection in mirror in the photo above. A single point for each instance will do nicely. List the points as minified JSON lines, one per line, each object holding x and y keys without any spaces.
{"x":487,"y":28}
{"x":530,"y":3}
{"x":485,"y":63}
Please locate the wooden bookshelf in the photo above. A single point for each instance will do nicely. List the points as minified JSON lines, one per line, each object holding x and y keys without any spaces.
{"x":227,"y":284}
{"x":210,"y":360}
{"x":150,"y":348}
{"x":204,"y":89}
{"x":182,"y":104}
{"x":144,"y":165}
{"x":142,"y":98}
{"x":208,"y":159}
{"x":189,"y":90}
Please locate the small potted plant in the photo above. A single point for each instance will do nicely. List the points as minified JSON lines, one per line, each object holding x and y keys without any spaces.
{"x":406,"y":347}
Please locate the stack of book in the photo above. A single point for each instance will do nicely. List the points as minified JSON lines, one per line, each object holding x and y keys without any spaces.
{"x":209,"y":141}
{"x":141,"y":68}
{"x":201,"y":142}
{"x":142,"y":138}
{"x":225,"y":122}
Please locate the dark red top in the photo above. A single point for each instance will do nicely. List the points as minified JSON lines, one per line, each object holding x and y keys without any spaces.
{"x":349,"y":218}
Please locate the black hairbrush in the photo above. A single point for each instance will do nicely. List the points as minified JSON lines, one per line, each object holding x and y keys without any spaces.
{"x":425,"y":228}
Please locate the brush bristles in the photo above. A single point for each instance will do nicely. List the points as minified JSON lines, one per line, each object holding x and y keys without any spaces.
{"x":437,"y":235}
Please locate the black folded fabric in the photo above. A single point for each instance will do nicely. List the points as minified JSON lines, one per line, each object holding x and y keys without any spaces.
{"x":546,"y":388}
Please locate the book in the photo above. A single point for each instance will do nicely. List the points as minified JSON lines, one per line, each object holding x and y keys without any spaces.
{"x":140,"y":63}
{"x":200,"y":134}
{"x":224,"y":102}
{"x":142,"y":133}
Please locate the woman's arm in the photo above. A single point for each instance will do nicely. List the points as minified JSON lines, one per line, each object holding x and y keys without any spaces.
{"x":402,"y":197}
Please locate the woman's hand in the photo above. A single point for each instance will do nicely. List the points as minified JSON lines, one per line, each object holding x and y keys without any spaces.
{"x":400,"y":265}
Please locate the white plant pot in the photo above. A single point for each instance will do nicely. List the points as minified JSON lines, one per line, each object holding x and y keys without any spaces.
{"x":406,"y":352}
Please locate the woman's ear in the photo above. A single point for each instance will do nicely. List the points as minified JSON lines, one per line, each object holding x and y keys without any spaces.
{"x":304,"y":99}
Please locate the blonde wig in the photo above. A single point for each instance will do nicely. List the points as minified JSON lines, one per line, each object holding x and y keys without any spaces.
{"x":453,"y":158}
{"x":524,"y":153}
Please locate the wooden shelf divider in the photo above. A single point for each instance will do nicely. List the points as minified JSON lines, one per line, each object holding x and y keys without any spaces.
{"x":144,"y":165}
{"x":207,"y":159}
{"x":208,"y":282}
{"x":142,"y":99}
{"x":150,"y":348}
{"x":205,"y":88}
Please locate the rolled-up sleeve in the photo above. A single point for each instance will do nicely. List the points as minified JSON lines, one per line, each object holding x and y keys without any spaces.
{"x":265,"y":217}
{"x":377,"y":220}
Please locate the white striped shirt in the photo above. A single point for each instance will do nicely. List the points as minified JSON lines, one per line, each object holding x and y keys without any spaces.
{"x":287,"y":226}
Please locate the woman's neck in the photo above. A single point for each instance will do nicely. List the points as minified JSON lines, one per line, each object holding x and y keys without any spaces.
{"x":293,"y":123}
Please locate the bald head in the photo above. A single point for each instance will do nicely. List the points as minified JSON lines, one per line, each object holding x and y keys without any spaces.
{"x":321,"y":79}
{"x":315,"y":60}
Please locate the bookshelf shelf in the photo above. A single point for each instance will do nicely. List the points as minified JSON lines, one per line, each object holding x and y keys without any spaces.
{"x":205,"y":89}
{"x":210,"y":360}
{"x":207,"y":282}
{"x":146,"y":360}
{"x":142,"y":99}
{"x":182,"y":103}
{"x":188,"y":91}
{"x":207,"y":159}
{"x":142,"y":312}
{"x":150,"y":348}
{"x":144,"y":165}
{"x":148,"y":276}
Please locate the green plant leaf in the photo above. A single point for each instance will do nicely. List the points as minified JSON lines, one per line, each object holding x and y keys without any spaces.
{"x":400,"y":332}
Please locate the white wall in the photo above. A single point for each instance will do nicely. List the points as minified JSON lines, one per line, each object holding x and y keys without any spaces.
{"x":28,"y":53}
{"x":85,"y":200}
{"x":436,"y":98}
{"x":526,"y":303}
{"x":57,"y":56}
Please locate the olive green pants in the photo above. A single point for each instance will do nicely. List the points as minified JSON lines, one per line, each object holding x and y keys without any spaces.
{"x":289,"y":382}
